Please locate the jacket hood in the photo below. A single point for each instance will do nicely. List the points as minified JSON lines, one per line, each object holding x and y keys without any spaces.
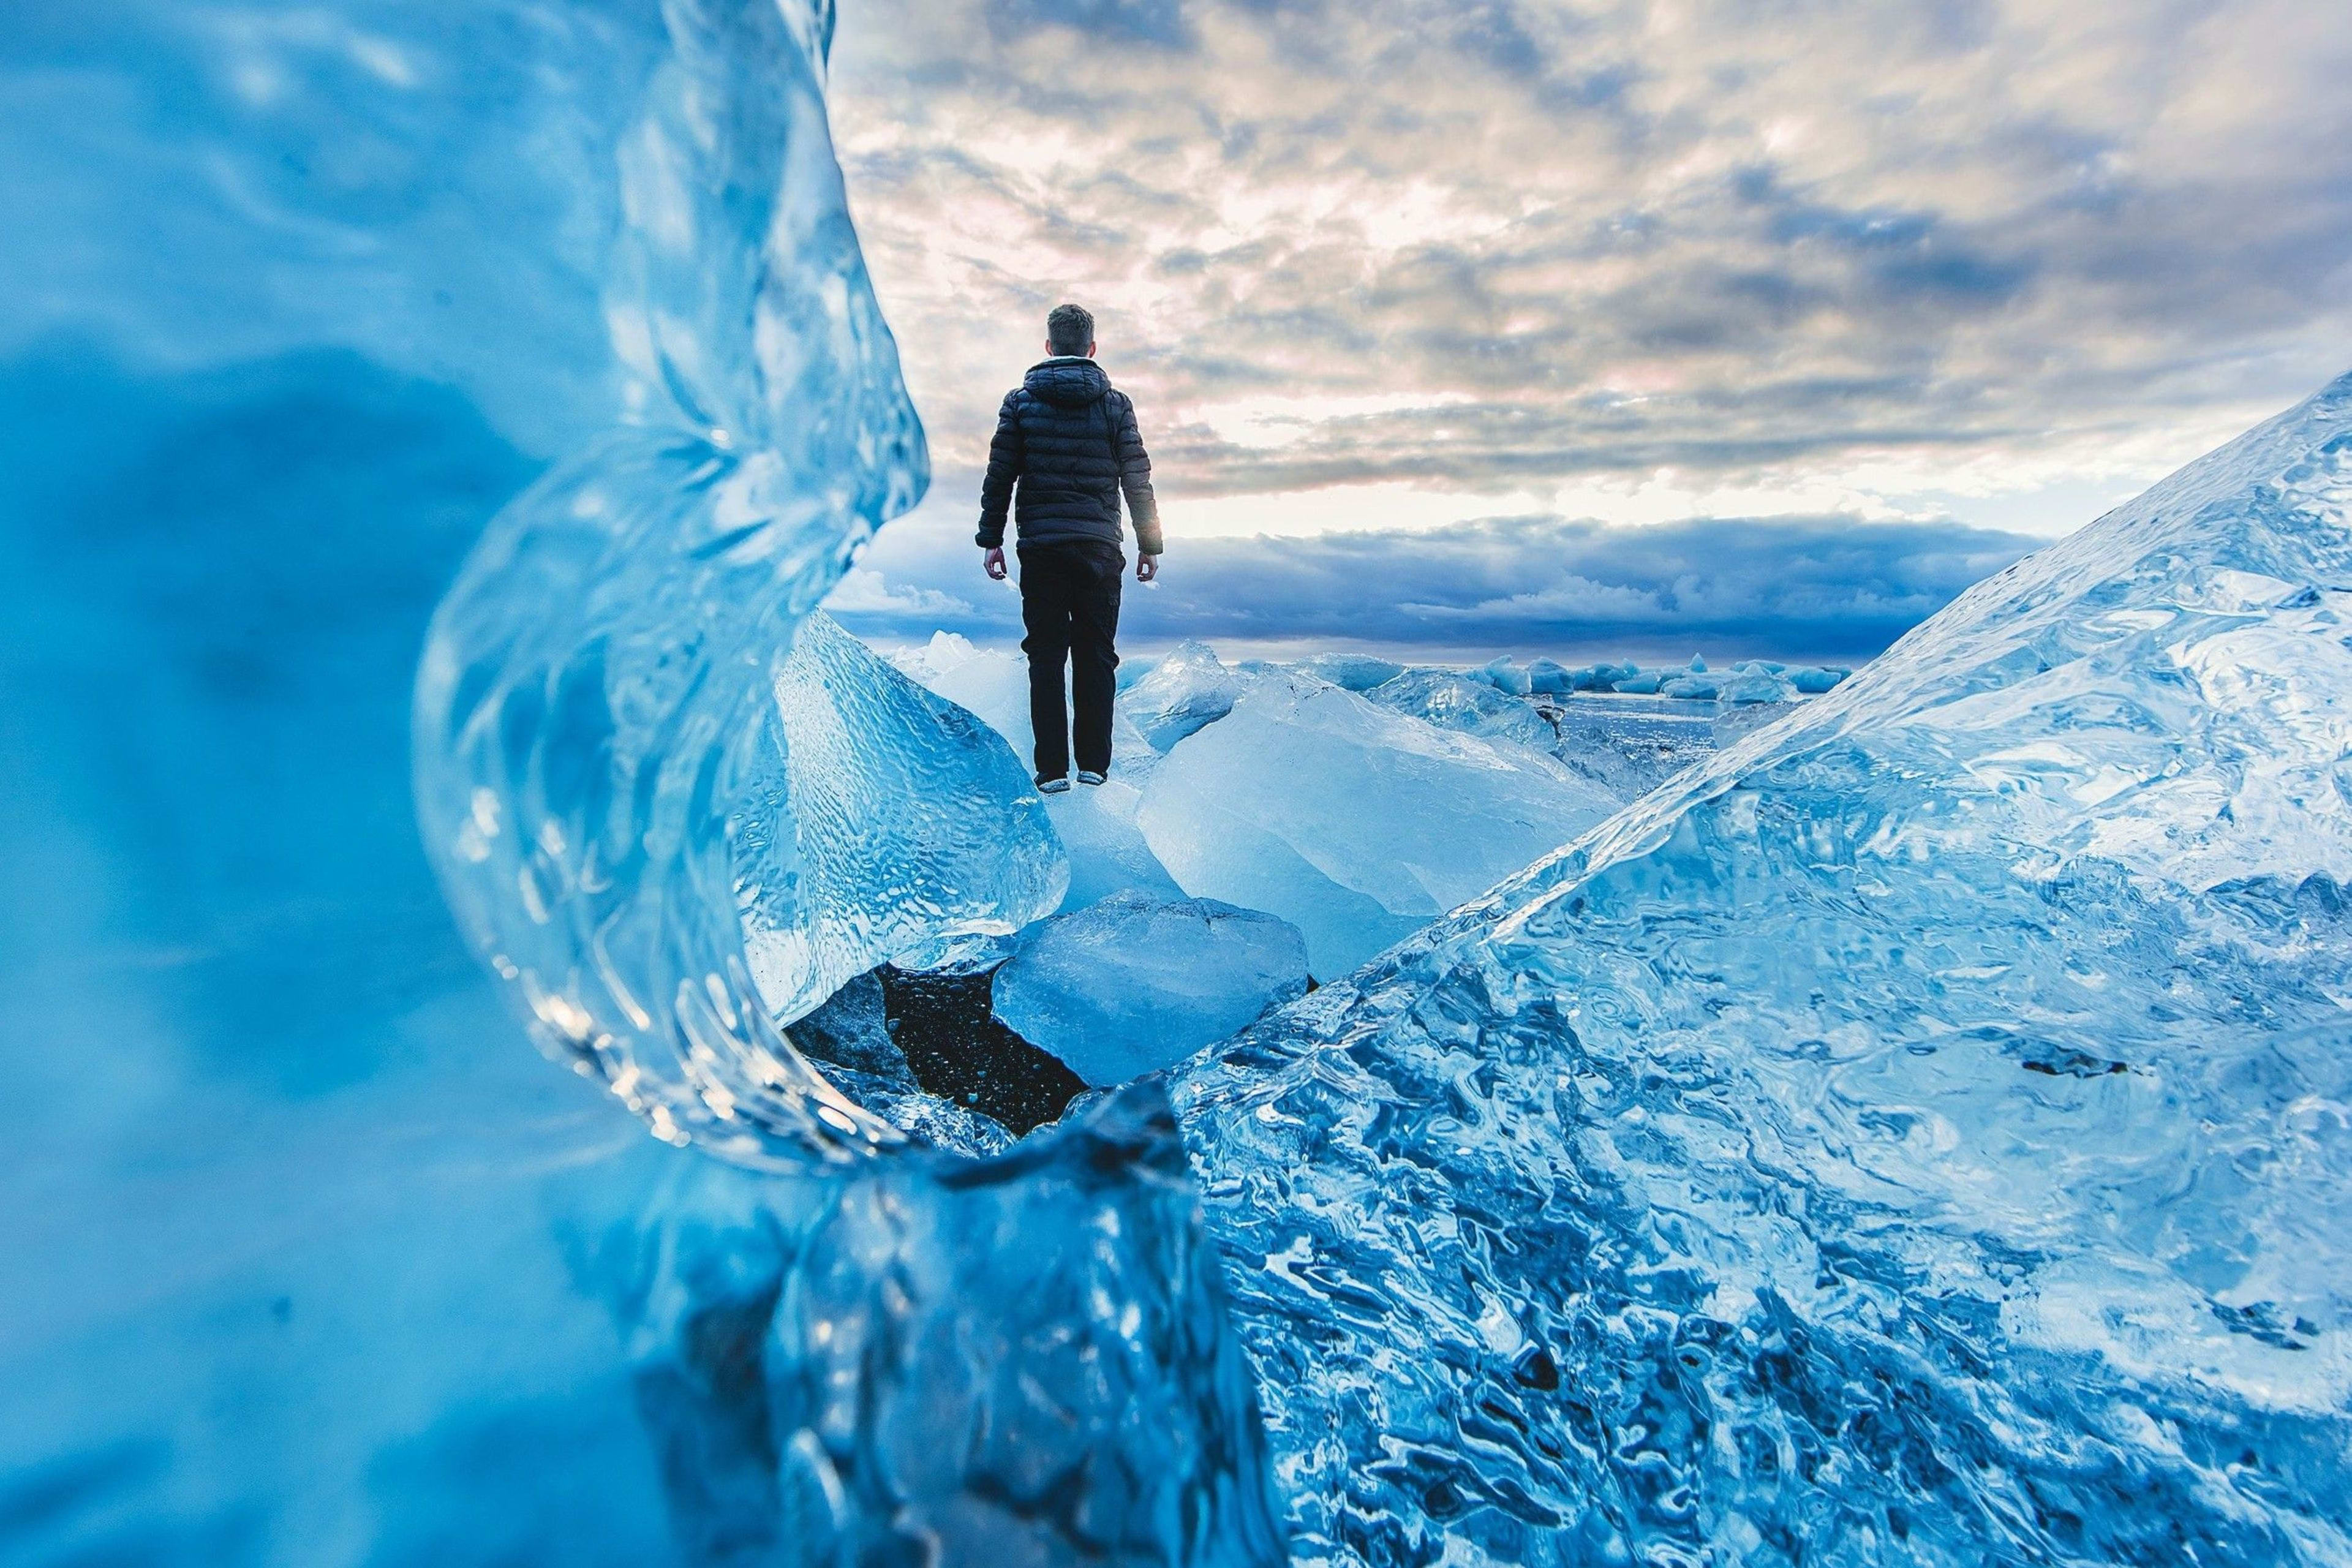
{"x":1071,"y":381}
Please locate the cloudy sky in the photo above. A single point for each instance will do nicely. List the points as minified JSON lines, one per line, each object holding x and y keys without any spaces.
{"x":1487,"y":325}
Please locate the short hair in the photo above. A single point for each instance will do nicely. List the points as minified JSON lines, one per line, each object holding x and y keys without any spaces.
{"x":1070,"y":329}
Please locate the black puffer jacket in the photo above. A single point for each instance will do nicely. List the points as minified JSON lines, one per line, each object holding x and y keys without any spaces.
{"x":1071,"y":441}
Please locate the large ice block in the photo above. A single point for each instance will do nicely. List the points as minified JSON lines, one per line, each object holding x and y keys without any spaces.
{"x":878,"y":819}
{"x":1136,"y":984}
{"x":1915,"y":1134}
{"x":1355,"y":823}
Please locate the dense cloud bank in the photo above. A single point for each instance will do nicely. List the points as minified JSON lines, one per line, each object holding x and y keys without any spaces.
{"x":1784,"y":586}
{"x":1808,"y":259}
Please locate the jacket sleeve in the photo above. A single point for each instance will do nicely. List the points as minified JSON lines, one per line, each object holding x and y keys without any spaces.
{"x":1004,"y":459}
{"x":1135,"y":479}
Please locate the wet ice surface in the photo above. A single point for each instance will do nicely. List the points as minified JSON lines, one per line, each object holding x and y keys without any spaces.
{"x":1915,"y":1134}
{"x":1135,"y":984}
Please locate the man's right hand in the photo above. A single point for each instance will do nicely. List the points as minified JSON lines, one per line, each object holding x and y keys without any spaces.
{"x":992,"y":561}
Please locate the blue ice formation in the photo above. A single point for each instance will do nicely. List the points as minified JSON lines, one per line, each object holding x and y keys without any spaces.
{"x":1918,"y":1133}
{"x":330,"y":1270}
{"x":878,"y":818}
{"x":1355,"y":823}
{"x":1134,"y":984}
{"x":591,"y":696}
{"x":1356,"y":671}
{"x":1475,"y":707}
{"x":1187,"y":691}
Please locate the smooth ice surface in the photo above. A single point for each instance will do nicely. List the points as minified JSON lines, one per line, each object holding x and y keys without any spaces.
{"x":878,"y":819}
{"x":1356,"y":671}
{"x":1920,"y":1132}
{"x":1186,"y":691}
{"x":1355,"y":823}
{"x":1136,"y":984}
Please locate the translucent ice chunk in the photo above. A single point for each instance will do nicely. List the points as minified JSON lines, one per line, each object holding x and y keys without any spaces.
{"x":1353,"y":822}
{"x":1504,"y":677}
{"x":883,"y":817}
{"x":1137,"y":984}
{"x":1474,"y":706}
{"x":1915,"y":1134}
{"x":1186,"y":691}
{"x":1550,"y":678}
{"x":1356,"y":671}
{"x":1754,"y":683}
{"x":1106,"y":848}
{"x":593,"y":689}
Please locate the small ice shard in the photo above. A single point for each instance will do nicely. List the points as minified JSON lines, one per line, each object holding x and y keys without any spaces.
{"x":1355,"y":823}
{"x":1550,"y":678}
{"x":848,"y":1030}
{"x":880,"y":817}
{"x":1185,"y":692}
{"x":1813,"y":681}
{"x":1355,"y":671}
{"x":1697,"y":665}
{"x":1136,"y":984}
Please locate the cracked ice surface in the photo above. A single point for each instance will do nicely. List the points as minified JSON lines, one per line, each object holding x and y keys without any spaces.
{"x":1919,"y":1132}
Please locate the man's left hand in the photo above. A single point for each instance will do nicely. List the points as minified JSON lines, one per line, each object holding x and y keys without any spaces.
{"x":1147,"y":568}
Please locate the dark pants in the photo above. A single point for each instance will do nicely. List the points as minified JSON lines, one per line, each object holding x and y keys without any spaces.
{"x":1069,"y":604}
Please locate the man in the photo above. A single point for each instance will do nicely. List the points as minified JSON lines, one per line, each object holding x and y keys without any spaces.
{"x":1071,"y":444}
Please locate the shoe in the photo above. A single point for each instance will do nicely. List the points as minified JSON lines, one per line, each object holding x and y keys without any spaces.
{"x":1053,"y":786}
{"x":1088,"y":776}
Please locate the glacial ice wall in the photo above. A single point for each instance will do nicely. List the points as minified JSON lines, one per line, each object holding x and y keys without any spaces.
{"x":1917,"y":1134}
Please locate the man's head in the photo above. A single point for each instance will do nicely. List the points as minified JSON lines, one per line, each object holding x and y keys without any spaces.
{"x":1070,"y":329}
